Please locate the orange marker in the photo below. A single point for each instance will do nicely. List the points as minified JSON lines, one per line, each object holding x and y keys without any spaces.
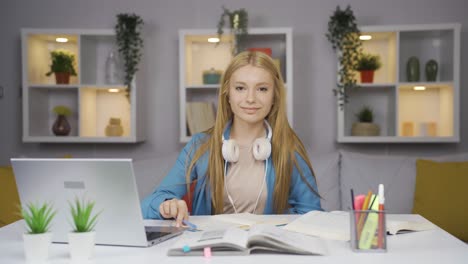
{"x":381,"y":217}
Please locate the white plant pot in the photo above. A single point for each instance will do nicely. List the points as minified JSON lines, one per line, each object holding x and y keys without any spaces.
{"x":81,"y":245}
{"x":36,"y":246}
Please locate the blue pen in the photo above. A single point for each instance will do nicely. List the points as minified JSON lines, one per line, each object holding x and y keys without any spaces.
{"x":191,"y":225}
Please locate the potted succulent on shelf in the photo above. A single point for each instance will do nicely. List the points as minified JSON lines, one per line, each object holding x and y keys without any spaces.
{"x":62,"y":66}
{"x":61,"y":127}
{"x":238,"y":23}
{"x":343,"y":34}
{"x":38,"y":218}
{"x":81,"y":239}
{"x":130,"y":44}
{"x":365,"y":126}
{"x":366,"y":65}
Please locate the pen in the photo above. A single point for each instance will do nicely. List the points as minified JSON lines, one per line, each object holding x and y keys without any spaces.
{"x":189,"y":224}
{"x":362,"y":217}
{"x":381,"y":216}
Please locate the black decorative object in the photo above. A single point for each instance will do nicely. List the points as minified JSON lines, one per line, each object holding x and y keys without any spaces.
{"x":431,"y":70}
{"x":412,"y":69}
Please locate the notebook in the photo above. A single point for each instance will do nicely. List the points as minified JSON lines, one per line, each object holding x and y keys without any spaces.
{"x":109,"y":182}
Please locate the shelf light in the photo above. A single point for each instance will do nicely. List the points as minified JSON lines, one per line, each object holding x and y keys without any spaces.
{"x":213,"y":40}
{"x":113,"y":90}
{"x":61,"y":40}
{"x":419,"y":88}
{"x":365,"y":37}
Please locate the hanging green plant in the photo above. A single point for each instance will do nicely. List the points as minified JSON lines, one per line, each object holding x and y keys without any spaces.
{"x":238,"y":22}
{"x":130,"y":44}
{"x":343,"y":34}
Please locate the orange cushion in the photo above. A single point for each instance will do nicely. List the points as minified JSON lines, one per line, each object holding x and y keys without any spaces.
{"x":440,"y":195}
{"x":9,"y":198}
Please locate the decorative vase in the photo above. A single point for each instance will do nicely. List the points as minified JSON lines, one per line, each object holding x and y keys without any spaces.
{"x":36,"y":247}
{"x":61,"y":126}
{"x":367,"y":76}
{"x":81,"y":245}
{"x":412,"y":69}
{"x":62,"y":77}
{"x":112,"y":71}
{"x":365,"y":129}
{"x":211,"y":76}
{"x":431,"y":70}
{"x":114,"y":128}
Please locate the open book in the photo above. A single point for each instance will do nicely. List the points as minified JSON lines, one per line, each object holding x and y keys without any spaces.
{"x":336,"y":225}
{"x":246,"y":220}
{"x":397,"y":223}
{"x":235,"y":241}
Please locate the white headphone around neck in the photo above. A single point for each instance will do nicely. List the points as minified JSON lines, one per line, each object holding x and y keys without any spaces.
{"x":261,"y":149}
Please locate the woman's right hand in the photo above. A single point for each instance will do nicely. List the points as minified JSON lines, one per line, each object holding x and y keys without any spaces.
{"x":176,"y":209}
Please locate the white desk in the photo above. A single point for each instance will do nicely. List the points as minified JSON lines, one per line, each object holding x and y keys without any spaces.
{"x":434,"y":246}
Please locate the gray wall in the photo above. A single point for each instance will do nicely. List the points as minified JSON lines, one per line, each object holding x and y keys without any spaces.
{"x":314,"y":64}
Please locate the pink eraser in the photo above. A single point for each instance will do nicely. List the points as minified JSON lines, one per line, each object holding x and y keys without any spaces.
{"x":207,"y":252}
{"x":358,"y":201}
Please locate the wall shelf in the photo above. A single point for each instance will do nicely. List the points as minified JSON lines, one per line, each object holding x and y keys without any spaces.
{"x":88,"y":95}
{"x":406,"y":115}
{"x":196,"y":55}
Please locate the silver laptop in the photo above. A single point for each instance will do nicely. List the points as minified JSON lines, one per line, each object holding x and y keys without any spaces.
{"x":109,"y":182}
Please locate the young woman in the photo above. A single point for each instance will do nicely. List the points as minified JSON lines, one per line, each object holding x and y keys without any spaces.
{"x":249,"y":161}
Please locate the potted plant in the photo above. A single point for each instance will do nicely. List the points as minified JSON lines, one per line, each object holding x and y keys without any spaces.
{"x":37,"y":239}
{"x":130,"y":44}
{"x":81,"y":239}
{"x":61,"y":127}
{"x":366,"y":65}
{"x":62,"y":66}
{"x":238,"y":23}
{"x":343,"y":34}
{"x":365,"y":125}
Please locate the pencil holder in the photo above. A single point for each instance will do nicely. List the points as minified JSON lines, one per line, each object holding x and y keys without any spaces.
{"x":368,"y":231}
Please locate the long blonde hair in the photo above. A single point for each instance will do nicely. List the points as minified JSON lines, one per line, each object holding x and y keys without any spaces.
{"x":285,"y":143}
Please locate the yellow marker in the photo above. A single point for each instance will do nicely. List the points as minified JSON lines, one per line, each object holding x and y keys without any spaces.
{"x":370,"y":226}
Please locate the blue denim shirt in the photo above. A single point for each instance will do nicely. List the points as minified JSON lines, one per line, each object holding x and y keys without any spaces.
{"x":301,"y":198}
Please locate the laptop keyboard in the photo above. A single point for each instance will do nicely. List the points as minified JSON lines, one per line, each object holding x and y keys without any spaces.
{"x":154,"y":235}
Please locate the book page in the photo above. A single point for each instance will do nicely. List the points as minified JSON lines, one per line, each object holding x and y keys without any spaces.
{"x":230,"y":241}
{"x":335,"y":225}
{"x":400,"y":223}
{"x":272,"y":238}
{"x":330,"y":225}
{"x":246,"y":220}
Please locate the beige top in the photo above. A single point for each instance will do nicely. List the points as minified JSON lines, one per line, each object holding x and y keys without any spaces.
{"x":244,"y":181}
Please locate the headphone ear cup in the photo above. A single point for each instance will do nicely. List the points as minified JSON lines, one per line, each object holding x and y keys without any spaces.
{"x":230,"y":150}
{"x":261,"y":149}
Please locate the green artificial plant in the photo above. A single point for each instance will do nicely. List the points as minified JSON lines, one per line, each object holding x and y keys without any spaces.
{"x":130,"y":44}
{"x":368,"y":62}
{"x":38,"y":217}
{"x":343,"y":34}
{"x":238,"y":23}
{"x":62,"y":110}
{"x":62,"y":61}
{"x":365,"y":115}
{"x":81,"y":213}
